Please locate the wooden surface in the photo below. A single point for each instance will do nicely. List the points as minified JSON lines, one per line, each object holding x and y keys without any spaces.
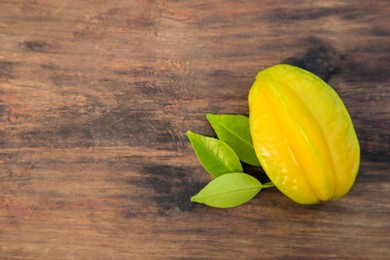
{"x":95,"y":100}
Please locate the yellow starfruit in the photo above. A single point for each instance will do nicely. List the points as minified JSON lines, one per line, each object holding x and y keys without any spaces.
{"x":303,"y":134}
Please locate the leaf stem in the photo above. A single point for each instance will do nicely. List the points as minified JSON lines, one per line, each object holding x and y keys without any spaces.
{"x":268,"y":185}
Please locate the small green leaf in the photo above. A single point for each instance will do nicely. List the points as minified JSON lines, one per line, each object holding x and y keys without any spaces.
{"x":215,"y":156}
{"x":229,"y":190}
{"x":234,"y":131}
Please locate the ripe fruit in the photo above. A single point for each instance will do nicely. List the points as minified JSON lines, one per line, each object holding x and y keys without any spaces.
{"x":303,"y":135}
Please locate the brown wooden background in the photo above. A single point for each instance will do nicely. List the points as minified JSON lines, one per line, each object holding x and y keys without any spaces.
{"x":95,"y":100}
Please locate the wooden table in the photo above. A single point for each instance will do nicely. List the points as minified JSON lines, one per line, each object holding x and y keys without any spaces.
{"x":95,"y":100}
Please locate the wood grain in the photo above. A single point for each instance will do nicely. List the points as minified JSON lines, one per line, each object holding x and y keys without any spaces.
{"x":95,"y":100}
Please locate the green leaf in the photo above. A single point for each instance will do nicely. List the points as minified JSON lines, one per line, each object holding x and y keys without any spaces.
{"x":229,"y":190}
{"x":215,"y":156}
{"x":234,"y":131}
